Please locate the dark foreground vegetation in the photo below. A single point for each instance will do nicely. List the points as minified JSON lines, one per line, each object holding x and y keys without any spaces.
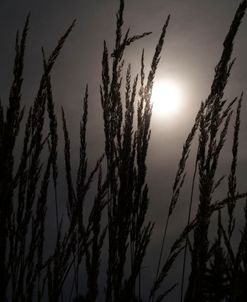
{"x":116,"y":223}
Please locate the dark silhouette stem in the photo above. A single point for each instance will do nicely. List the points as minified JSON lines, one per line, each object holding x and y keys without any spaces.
{"x":188,"y":222}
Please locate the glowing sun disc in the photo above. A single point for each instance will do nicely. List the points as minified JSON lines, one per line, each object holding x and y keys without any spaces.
{"x":166,"y":98}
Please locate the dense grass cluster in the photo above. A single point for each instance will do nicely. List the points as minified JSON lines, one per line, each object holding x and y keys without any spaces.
{"x":116,"y":224}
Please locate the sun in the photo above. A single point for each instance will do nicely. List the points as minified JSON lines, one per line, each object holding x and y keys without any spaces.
{"x":167,"y":98}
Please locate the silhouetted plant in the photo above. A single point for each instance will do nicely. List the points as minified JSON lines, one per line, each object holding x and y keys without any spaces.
{"x":116,"y":219}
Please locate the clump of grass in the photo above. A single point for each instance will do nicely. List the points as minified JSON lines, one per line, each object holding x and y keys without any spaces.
{"x":126,"y":151}
{"x":27,"y":273}
{"x":214,"y":123}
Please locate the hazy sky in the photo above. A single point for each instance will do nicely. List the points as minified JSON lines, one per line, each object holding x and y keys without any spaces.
{"x":192,"y":49}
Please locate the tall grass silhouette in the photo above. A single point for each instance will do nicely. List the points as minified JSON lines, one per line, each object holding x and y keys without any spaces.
{"x":116,"y":223}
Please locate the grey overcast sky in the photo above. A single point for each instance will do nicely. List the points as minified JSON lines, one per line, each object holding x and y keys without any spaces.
{"x":192,"y":48}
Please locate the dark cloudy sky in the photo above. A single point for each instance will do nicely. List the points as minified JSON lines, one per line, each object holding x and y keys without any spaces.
{"x":192,"y":49}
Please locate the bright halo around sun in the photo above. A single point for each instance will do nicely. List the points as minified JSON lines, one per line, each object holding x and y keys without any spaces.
{"x":167,"y":98}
